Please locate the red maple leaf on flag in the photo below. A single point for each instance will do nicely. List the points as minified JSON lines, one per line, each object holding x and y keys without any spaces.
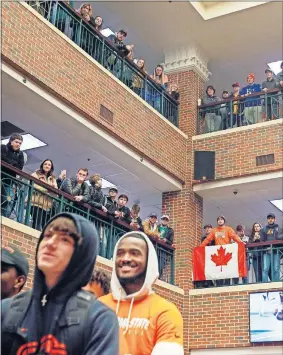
{"x":222,"y":258}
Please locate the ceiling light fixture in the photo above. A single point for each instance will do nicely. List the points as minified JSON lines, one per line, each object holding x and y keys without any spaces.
{"x":29,"y":142}
{"x":275,"y":66}
{"x":278,"y":204}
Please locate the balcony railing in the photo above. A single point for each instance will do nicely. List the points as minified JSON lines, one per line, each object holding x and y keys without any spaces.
{"x":22,"y":194}
{"x":264,"y":264}
{"x":62,"y":16}
{"x":239,"y":112}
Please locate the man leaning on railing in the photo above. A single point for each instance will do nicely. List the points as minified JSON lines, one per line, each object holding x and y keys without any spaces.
{"x":11,"y":154}
{"x":253,"y":109}
{"x":271,"y":257}
{"x":271,"y":105}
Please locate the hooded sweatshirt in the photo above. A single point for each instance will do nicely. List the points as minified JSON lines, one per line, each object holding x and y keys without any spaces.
{"x":149,"y":324}
{"x":270,"y":232}
{"x":41,"y":322}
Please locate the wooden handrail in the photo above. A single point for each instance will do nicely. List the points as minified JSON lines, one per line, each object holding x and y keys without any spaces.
{"x":98,"y":212}
{"x":268,"y":243}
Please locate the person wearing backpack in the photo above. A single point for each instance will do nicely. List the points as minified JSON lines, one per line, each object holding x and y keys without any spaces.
{"x":56,"y":316}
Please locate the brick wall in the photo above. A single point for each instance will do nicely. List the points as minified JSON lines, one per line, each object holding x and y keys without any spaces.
{"x":38,"y":50}
{"x":236,"y":152}
{"x":185,"y":207}
{"x":221,"y":320}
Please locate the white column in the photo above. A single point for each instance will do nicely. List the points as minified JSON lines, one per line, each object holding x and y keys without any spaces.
{"x":192,"y":57}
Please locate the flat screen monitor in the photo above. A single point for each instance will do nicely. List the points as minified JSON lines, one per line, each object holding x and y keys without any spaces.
{"x":266,"y":316}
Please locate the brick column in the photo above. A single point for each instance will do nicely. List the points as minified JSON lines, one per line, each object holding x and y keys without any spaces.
{"x":185,"y":208}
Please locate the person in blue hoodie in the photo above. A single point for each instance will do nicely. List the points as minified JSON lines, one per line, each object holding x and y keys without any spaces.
{"x":56,"y":316}
{"x":271,"y":233}
{"x":252,"y":104}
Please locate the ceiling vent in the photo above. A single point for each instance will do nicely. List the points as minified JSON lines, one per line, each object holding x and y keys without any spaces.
{"x":265,"y":159}
{"x":106,"y":114}
{"x":7,"y":129}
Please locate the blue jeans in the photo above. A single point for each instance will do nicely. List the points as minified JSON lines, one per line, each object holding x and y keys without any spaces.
{"x":267,"y":264}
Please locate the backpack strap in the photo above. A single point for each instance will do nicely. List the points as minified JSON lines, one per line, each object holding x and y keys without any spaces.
{"x":75,"y":315}
{"x":16,"y":312}
{"x":14,"y":316}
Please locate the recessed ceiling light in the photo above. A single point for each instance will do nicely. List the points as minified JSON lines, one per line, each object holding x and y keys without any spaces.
{"x":29,"y":142}
{"x":278,"y":204}
{"x":275,"y":66}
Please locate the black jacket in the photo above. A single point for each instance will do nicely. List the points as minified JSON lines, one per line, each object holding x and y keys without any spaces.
{"x":127,"y":214}
{"x":12,"y":157}
{"x":169,"y":235}
{"x":119,"y":45}
{"x":111,"y":205}
{"x":71,"y":187}
{"x":95,"y":197}
{"x":100,"y":330}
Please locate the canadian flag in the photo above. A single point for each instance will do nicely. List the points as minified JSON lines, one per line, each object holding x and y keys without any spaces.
{"x":219,"y":262}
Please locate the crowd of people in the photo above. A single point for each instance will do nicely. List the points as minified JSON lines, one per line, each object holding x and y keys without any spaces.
{"x":72,"y":309}
{"x":257,"y":258}
{"x":82,"y":188}
{"x":111,"y":61}
{"x":246,"y":109}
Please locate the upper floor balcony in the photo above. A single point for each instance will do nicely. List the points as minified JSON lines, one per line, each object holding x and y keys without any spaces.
{"x":240,"y":111}
{"x":98,"y":47}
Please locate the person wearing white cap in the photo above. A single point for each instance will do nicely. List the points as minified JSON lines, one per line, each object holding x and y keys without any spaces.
{"x":166,"y":233}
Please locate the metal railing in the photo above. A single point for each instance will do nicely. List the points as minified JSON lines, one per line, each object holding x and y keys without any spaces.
{"x":30,"y":201}
{"x":264,"y":264}
{"x":243,"y":111}
{"x":68,"y":21}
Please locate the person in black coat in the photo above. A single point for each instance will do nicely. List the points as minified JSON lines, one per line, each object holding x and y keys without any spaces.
{"x":167,"y":233}
{"x":95,"y":193}
{"x":10,"y":153}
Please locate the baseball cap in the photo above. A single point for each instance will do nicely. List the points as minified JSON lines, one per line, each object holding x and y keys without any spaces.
{"x":12,"y":256}
{"x":236,"y":84}
{"x":153,"y":215}
{"x":268,"y":70}
{"x":207,"y":226}
{"x":124,"y":32}
{"x":271,"y":215}
{"x":165,"y":216}
{"x":225,"y":91}
{"x":251,"y":75}
{"x":113,"y":189}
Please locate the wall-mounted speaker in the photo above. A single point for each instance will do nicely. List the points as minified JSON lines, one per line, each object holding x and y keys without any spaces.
{"x":204,"y":165}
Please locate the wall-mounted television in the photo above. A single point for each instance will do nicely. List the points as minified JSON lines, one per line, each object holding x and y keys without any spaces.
{"x":266,"y":316}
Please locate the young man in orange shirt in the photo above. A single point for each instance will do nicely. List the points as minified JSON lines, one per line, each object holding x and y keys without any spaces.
{"x":221,"y":235}
{"x":149,"y":324}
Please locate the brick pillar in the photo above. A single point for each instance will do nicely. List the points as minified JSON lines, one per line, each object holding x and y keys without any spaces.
{"x":185,"y":208}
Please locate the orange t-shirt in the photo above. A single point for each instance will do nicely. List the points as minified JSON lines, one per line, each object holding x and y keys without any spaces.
{"x":221,"y":236}
{"x":152,"y":320}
